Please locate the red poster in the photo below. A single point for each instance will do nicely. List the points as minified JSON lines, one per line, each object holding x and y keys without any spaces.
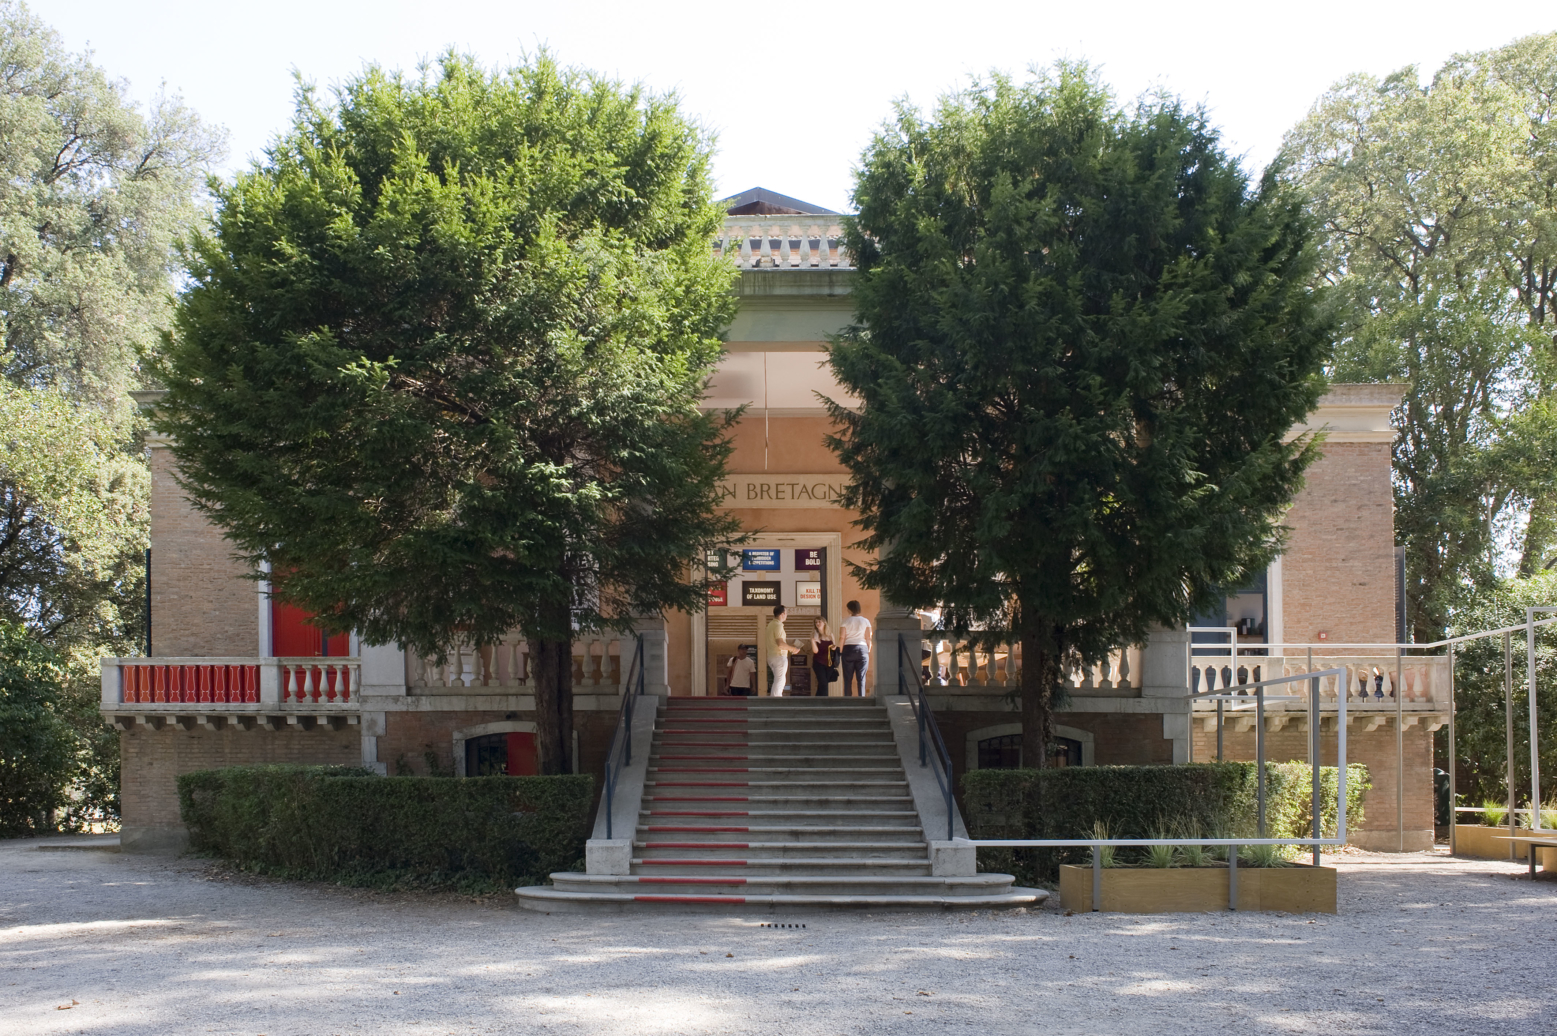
{"x":719,"y":594}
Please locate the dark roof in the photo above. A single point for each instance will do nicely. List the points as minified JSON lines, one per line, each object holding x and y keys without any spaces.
{"x":759,"y":201}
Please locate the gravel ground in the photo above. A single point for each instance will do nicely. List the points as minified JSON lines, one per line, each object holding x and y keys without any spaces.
{"x":94,"y":941}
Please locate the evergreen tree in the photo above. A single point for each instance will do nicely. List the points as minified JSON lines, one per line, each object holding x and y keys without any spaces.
{"x":441,"y":363}
{"x":1082,"y":340}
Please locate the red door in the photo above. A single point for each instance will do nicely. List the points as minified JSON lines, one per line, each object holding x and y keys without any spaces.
{"x":522,"y":760}
{"x":292,"y":637}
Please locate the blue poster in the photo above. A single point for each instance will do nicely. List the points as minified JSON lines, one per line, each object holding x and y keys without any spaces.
{"x":762,"y":560}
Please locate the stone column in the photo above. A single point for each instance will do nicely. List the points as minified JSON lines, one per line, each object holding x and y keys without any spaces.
{"x":656,"y":652}
{"x":1165,"y":674}
{"x":892,"y":621}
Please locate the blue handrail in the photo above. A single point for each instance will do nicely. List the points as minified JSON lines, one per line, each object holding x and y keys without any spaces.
{"x":929,"y":730}
{"x":624,"y":732}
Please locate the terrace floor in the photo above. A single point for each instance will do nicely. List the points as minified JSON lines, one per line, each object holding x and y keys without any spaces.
{"x":92,"y":941}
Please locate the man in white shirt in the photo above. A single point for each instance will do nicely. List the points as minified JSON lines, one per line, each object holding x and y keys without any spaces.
{"x":740,"y":674}
{"x":778,"y":649}
{"x":856,"y":649}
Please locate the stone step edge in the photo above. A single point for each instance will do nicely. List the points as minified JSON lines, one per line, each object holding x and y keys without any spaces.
{"x":545,"y":897}
{"x":778,"y":861}
{"x":972,"y":880}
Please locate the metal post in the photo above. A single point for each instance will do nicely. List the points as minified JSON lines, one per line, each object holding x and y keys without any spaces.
{"x":1097,"y":877}
{"x":1219,"y":704}
{"x":1314,"y":759}
{"x":1453,"y":762}
{"x":1259,"y":752}
{"x":1400,"y":756}
{"x":1232,"y":877}
{"x":1340,"y":765}
{"x":1508,"y":723}
{"x":1535,"y":753}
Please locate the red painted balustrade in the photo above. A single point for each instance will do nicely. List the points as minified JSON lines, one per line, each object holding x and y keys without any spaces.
{"x":190,"y":684}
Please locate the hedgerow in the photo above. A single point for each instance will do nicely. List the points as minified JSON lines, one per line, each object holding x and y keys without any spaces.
{"x":350,"y":826}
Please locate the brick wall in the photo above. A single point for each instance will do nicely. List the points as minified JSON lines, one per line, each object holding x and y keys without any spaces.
{"x":1338,"y":574}
{"x":151,"y":761}
{"x":1376,"y":750}
{"x":200,"y":602}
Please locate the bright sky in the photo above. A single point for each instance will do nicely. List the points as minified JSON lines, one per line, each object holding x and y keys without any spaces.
{"x":793,"y":90}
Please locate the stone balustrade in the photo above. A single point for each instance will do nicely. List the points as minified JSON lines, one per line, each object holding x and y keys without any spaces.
{"x":1368,"y":679}
{"x":951,"y":661}
{"x":505,"y":667}
{"x":204,"y":690}
{"x":783,"y":243}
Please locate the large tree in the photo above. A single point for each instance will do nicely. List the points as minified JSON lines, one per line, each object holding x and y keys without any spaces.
{"x":440,"y":366}
{"x":94,"y":197}
{"x":1437,"y":206}
{"x":1082,"y":341}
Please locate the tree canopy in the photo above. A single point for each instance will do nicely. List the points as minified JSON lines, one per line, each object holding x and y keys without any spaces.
{"x":94,"y":198}
{"x":440,"y":364}
{"x":1082,"y":339}
{"x":1437,"y":209}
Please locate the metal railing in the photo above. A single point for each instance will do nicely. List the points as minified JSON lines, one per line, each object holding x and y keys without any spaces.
{"x":622,"y":740}
{"x":1260,"y":698}
{"x":932,"y":748}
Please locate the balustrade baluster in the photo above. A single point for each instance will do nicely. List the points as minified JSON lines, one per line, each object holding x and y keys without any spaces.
{"x":784,"y":249}
{"x":805,"y":248}
{"x":1123,"y":679}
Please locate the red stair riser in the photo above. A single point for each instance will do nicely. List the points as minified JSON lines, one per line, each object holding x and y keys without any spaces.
{"x":693,"y":863}
{"x":690,"y":899}
{"x":696,"y":845}
{"x":703,"y":784}
{"x":688,"y":881}
{"x":703,"y":830}
{"x":684,"y":757}
{"x":703,"y":769}
{"x":700,"y":798}
{"x":698,"y":813}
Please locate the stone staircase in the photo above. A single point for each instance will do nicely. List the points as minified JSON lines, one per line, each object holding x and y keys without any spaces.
{"x":777,"y":802}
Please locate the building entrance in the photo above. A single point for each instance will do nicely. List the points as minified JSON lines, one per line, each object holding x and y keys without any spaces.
{"x":801,"y":571}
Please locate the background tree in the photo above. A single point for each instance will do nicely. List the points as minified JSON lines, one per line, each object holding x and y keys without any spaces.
{"x":441,"y":363}
{"x":94,"y":197}
{"x":1082,"y":338}
{"x":38,"y":748}
{"x":1438,"y":209}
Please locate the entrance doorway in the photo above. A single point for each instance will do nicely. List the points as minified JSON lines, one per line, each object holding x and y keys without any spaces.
{"x":803,"y":572}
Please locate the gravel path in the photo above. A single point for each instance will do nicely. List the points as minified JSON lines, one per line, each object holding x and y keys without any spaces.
{"x":135,"y":945}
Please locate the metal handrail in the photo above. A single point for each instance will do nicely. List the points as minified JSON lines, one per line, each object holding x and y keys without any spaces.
{"x":624,"y":732}
{"x":926,"y":717}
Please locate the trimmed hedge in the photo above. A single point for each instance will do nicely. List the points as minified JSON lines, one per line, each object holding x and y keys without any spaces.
{"x":1210,"y":799}
{"x":348,"y":825}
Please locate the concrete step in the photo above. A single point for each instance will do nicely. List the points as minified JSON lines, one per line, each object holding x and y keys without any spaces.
{"x":763,"y":834}
{"x":809,"y":761}
{"x":703,"y":864}
{"x":781,"y":884}
{"x":814,"y":802}
{"x":680,"y":849}
{"x":865,"y":818}
{"x":550,"y":900}
{"x":765,"y":774}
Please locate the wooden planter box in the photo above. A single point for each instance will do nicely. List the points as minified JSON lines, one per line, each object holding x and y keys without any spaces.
{"x":1482,"y":842}
{"x":1298,"y":889}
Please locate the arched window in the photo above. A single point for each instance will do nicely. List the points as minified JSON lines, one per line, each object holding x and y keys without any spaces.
{"x":1005,"y":752}
{"x":511,"y":753}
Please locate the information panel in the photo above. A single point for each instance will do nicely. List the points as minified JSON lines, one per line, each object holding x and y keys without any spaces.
{"x":808,"y":559}
{"x":756,"y":595}
{"x":761,"y":560}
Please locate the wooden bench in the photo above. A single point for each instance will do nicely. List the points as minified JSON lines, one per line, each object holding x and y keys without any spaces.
{"x":1534,"y":842}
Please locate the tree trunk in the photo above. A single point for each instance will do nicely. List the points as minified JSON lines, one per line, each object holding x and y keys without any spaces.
{"x":551,"y":668}
{"x":1040,"y":675}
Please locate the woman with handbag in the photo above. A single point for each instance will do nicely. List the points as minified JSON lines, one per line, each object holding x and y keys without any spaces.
{"x":824,"y":657}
